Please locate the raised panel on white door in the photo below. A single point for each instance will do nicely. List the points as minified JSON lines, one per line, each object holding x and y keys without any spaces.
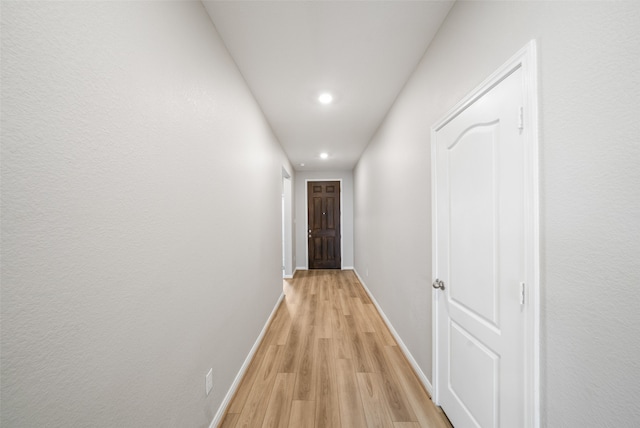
{"x":473,"y":281}
{"x":474,"y":376}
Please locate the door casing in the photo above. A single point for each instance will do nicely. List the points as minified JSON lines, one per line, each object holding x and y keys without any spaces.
{"x":526,"y":60}
{"x":306,"y":218}
{"x":287,"y":220}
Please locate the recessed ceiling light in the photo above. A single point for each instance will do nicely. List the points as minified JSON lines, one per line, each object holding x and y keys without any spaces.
{"x":324,"y":155}
{"x":325,"y":98}
{"x":301,"y":164}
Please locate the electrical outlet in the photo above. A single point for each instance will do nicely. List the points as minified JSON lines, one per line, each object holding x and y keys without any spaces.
{"x":209,"y":381}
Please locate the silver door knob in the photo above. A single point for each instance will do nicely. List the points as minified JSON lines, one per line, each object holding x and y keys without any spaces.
{"x":438,"y":284}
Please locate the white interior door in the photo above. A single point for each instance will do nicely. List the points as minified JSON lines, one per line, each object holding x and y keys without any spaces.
{"x":480,"y":260}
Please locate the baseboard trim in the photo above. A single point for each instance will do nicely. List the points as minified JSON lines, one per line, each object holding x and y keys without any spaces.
{"x":217,"y":419}
{"x":342,"y":268}
{"x":412,"y":361}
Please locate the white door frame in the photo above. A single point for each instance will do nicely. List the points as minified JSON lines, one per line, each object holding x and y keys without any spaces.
{"x":287,"y":220}
{"x":526,"y":60}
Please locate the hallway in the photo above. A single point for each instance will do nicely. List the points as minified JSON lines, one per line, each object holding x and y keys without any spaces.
{"x":328,"y":360}
{"x":145,"y":147}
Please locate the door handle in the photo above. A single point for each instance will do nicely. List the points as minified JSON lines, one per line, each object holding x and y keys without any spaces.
{"x":438,"y":284}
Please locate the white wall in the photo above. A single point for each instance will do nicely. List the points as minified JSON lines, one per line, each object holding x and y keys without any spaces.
{"x":302,"y":261}
{"x":141,"y":215}
{"x":590,"y":194}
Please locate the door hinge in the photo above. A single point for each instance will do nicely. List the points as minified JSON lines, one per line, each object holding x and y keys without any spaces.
{"x":522,"y":291}
{"x":520,"y":118}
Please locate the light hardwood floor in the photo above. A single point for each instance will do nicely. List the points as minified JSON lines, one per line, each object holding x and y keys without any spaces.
{"x":328,"y":360}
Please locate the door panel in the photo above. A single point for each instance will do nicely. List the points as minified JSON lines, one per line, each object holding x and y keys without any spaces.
{"x":472,"y":194}
{"x":470,"y":359}
{"x":323,"y":202}
{"x":479,"y":195}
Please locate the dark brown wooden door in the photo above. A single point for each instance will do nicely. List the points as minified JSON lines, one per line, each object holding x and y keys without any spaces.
{"x":323,"y":202}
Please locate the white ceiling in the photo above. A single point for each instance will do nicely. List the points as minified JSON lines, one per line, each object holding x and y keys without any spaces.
{"x":362,"y":52}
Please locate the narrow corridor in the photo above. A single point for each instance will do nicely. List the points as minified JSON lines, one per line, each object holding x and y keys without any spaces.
{"x":328,"y":360}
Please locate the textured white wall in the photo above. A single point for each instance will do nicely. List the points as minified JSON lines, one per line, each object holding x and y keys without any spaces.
{"x":590,"y":194}
{"x":301,"y":234}
{"x":140,"y":212}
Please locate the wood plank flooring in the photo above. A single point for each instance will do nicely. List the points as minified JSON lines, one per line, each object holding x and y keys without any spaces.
{"x":328,"y":360}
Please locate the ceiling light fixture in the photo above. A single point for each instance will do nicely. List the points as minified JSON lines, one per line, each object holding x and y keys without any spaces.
{"x":325,"y":98}
{"x":301,"y":164}
{"x":324,"y":155}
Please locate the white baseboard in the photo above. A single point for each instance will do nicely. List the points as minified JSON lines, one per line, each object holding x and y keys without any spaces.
{"x":414,"y":364}
{"x":343,"y":268}
{"x":289,"y":276}
{"x":217,"y":419}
